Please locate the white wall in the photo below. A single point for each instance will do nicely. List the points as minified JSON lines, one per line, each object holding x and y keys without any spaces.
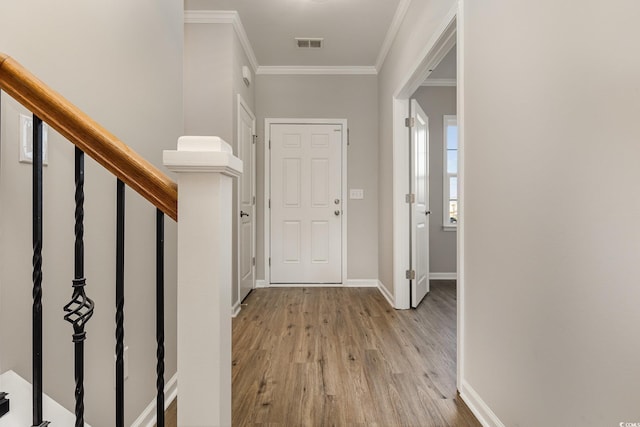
{"x":337,"y":96}
{"x":121,"y":62}
{"x":208,"y":80}
{"x":437,"y":102}
{"x":552,"y":206}
{"x":213,"y":63}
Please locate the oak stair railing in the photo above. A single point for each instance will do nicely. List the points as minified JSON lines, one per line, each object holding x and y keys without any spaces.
{"x":131,"y":170}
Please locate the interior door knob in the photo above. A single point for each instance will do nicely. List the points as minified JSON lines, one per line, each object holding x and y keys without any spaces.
{"x":243,"y":213}
{"x":336,"y":212}
{"x":427,"y":213}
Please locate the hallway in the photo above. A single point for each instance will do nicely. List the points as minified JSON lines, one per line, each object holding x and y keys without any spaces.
{"x":343,"y":356}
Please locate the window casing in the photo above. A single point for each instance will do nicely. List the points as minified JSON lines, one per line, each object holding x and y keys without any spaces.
{"x":450,"y":190}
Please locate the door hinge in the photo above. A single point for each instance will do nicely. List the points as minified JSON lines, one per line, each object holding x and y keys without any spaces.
{"x":254,"y":261}
{"x":411,"y":274}
{"x":348,"y":138}
{"x":269,"y":261}
{"x":410,"y":122}
{"x":269,"y":144}
{"x":410,"y":198}
{"x":269,"y":203}
{"x":254,"y":200}
{"x":255,"y":138}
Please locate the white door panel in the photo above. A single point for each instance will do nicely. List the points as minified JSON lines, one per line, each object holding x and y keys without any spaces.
{"x":306,"y":203}
{"x":420,"y":209}
{"x":246,"y":185}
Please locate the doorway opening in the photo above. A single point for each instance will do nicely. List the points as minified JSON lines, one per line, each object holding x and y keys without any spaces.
{"x":446,"y":37}
{"x":246,"y":230}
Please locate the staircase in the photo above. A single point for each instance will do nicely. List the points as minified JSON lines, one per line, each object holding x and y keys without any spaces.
{"x":205,"y":167}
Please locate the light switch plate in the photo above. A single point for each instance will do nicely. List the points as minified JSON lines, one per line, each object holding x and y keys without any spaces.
{"x":356,"y":193}
{"x":26,"y":140}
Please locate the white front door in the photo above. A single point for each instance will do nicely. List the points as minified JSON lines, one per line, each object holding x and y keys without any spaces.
{"x":306,"y":203}
{"x":246,"y":200}
{"x":420,"y":209}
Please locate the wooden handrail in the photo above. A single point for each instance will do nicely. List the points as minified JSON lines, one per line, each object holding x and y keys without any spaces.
{"x":89,"y":136}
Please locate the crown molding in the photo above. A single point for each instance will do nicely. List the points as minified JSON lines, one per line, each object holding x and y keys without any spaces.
{"x":224,"y":17}
{"x":440,"y":82}
{"x":318,"y":70}
{"x":392,"y":32}
{"x":232,"y":17}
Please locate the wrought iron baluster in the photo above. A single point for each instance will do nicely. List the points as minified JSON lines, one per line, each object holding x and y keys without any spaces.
{"x":160,"y":316}
{"x":80,"y":309}
{"x":120,"y":190}
{"x":37,"y":275}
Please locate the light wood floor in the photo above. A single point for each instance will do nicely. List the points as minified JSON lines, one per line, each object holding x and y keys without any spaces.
{"x":344,"y":357}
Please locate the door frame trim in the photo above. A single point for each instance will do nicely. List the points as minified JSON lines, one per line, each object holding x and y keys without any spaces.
{"x":267,"y":187}
{"x":242,"y":104}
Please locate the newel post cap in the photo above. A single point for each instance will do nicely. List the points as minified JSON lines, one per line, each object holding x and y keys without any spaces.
{"x":202,"y":154}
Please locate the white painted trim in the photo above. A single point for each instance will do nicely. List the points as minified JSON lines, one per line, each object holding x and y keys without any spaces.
{"x":444,"y":38}
{"x":401,"y":228}
{"x":319,"y":70}
{"x":392,"y":32}
{"x":235,"y":310}
{"x":479,"y":407}
{"x":242,"y":105}
{"x":148,"y":417}
{"x":262,"y":283}
{"x":440,"y":82}
{"x":461,"y":285}
{"x":362,"y":283}
{"x":307,"y":285}
{"x":224,"y":17}
{"x":443,"y":276}
{"x":386,"y":294}
{"x":267,"y":187}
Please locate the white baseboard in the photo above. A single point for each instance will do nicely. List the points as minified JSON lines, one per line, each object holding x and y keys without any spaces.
{"x":306,"y":285}
{"x":480,"y":409}
{"x":361,"y":283}
{"x":385,"y":292}
{"x":350,"y":283}
{"x":235,"y":309}
{"x":148,"y":417}
{"x":443,"y":276}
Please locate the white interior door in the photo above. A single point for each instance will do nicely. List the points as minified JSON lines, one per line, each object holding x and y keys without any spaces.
{"x":246,"y":200}
{"x":306,"y":203}
{"x":420,"y":209}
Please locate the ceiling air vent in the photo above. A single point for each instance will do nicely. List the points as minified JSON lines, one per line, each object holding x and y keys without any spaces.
{"x":309,"y":43}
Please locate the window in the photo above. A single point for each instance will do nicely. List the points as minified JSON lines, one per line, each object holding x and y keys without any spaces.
{"x":450,"y":208}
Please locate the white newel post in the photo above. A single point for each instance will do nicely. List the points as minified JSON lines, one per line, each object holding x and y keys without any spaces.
{"x":206,"y":168}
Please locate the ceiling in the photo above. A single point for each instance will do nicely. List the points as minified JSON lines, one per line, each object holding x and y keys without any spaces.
{"x":354,"y":31}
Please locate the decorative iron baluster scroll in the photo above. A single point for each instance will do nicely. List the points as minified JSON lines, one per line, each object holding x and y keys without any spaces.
{"x":160,"y":316}
{"x":37,"y":275}
{"x":80,"y":309}
{"x":120,"y":188}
